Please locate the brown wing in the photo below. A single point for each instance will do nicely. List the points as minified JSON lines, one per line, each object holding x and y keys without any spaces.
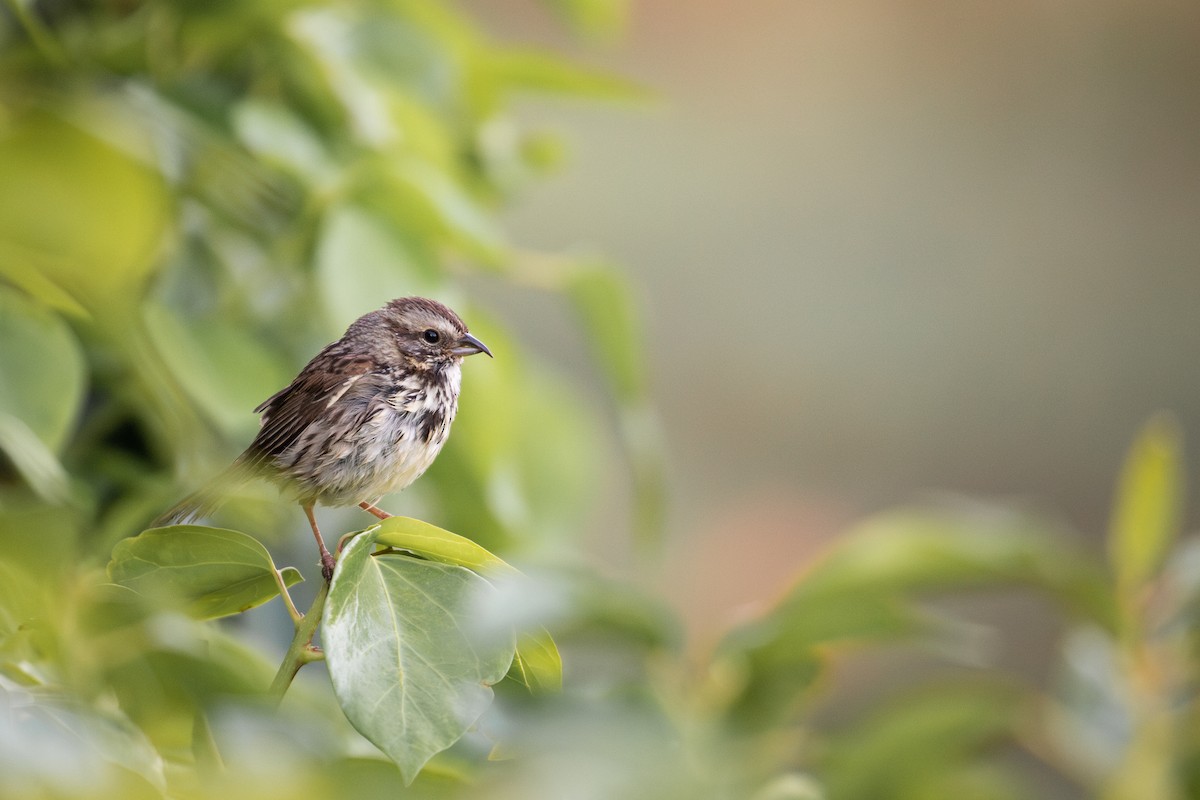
{"x":287,"y":413}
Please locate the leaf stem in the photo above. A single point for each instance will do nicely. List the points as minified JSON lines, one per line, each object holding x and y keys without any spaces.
{"x":39,"y":35}
{"x":301,"y":650}
{"x":287,"y":599}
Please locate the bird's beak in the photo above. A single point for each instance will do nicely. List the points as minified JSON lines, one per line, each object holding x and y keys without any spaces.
{"x":468,"y":345}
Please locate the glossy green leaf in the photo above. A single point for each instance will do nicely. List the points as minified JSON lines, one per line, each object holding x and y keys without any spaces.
{"x":537,"y":664}
{"x":436,"y":544}
{"x":1149,"y":503}
{"x":405,"y":665}
{"x":216,"y":572}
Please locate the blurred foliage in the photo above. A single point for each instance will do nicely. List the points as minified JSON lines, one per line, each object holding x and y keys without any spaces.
{"x":196,"y":197}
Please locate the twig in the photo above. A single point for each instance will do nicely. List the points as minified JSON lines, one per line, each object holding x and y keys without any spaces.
{"x":301,"y":650}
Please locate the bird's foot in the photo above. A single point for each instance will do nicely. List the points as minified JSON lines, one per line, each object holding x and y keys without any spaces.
{"x":327,"y":565}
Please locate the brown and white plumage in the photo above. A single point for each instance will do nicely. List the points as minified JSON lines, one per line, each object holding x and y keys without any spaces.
{"x":364,"y":418}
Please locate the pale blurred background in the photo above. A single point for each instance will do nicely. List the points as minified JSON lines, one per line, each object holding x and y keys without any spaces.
{"x":885,"y":249}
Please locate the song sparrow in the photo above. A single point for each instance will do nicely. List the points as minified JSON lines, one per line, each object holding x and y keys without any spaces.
{"x":364,"y":418}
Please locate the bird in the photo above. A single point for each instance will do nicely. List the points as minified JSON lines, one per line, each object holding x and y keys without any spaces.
{"x":364,"y":418}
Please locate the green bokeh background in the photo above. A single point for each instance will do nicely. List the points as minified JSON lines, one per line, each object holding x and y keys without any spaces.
{"x":751,"y":274}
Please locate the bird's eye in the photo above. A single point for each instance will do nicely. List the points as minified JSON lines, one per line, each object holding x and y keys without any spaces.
{"x":431,"y":336}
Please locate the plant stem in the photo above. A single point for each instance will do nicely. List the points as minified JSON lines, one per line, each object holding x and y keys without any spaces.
{"x":300,"y":651}
{"x":41,"y":38}
{"x":296,"y":616}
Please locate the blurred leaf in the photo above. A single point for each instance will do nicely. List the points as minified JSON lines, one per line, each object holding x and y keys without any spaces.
{"x":224,"y":368}
{"x":909,"y":551}
{"x":432,"y":204}
{"x":435,"y":544}
{"x":535,"y":70}
{"x":183,"y":666}
{"x":616,"y":610}
{"x":90,"y":216}
{"x":360,"y":263}
{"x":1149,"y":504}
{"x":405,"y":669}
{"x":790,"y":787}
{"x":862,"y":591}
{"x":280,"y":137}
{"x":33,"y":460}
{"x":44,"y":735}
{"x":23,"y":272}
{"x":537,"y":664}
{"x":599,"y":18}
{"x":1088,"y":720}
{"x":605,"y":307}
{"x":41,"y":370}
{"x":24,"y":600}
{"x":218,"y":572}
{"x":921,"y":740}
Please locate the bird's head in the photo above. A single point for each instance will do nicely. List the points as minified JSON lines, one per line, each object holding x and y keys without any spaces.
{"x":425,"y":334}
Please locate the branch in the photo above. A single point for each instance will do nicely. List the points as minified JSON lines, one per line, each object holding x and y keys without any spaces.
{"x":301,"y":650}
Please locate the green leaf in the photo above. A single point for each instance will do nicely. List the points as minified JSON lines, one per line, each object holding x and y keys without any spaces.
{"x":440,"y":200}
{"x":1149,"y":503}
{"x":917,"y":740}
{"x":863,"y":590}
{"x":542,"y":71}
{"x":791,"y":786}
{"x":599,"y":18}
{"x":33,"y":460}
{"x":406,"y":669}
{"x":608,"y":313}
{"x":606,"y":309}
{"x":41,"y":369}
{"x":217,"y":572}
{"x":41,"y":390}
{"x":435,"y":544}
{"x":276,"y":134}
{"x":47,"y":733}
{"x":88,"y":214}
{"x":225,"y":368}
{"x":359,"y":260}
{"x":537,"y":664}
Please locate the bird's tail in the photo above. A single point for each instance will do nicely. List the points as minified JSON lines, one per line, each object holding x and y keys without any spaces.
{"x":206,"y":501}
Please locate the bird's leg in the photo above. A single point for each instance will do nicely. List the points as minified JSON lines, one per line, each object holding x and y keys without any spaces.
{"x":327,"y":561}
{"x":371,"y":508}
